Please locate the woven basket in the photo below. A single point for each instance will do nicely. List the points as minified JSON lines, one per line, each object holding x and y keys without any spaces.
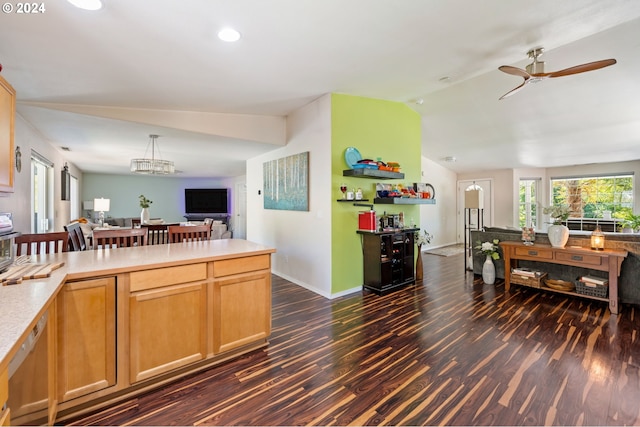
{"x":592,"y":290}
{"x":533,"y":282}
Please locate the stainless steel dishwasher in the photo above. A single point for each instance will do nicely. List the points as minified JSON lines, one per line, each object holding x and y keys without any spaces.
{"x":29,"y":377}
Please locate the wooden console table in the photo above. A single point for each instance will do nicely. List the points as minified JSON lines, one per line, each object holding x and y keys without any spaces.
{"x":608,"y":260}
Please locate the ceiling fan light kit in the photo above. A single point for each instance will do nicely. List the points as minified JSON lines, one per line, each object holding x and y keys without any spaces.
{"x":534,"y":72}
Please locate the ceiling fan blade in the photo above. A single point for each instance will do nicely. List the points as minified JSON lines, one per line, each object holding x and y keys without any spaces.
{"x":515,"y":71}
{"x":583,"y":68}
{"x":512,"y":91}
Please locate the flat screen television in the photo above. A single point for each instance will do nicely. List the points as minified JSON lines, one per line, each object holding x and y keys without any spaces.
{"x":205,"y":200}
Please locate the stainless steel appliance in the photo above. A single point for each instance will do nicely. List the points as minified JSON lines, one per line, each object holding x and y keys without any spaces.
{"x":29,"y":377}
{"x":7,"y":240}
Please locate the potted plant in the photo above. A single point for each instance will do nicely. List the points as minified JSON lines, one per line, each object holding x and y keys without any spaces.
{"x":144,"y":204}
{"x":490,"y":250}
{"x":421,"y":238}
{"x":633,"y":222}
{"x":557,"y":232}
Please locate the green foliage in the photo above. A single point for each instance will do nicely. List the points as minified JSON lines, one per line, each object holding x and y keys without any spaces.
{"x":144,"y":202}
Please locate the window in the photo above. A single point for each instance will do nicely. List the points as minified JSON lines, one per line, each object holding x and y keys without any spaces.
{"x":41,"y":194}
{"x":528,"y":198}
{"x":589,"y":197}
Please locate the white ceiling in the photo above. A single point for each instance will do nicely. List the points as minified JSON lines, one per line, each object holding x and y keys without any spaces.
{"x":163,"y":55}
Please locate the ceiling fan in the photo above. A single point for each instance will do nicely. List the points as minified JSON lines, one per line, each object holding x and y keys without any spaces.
{"x":535,"y":71}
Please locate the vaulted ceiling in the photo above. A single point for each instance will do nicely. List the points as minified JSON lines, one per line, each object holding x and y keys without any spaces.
{"x":99,"y":82}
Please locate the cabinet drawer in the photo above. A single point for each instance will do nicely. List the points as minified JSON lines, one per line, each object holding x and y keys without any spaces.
{"x":241,"y":265}
{"x":150,"y":279}
{"x":543,"y":253}
{"x":579,"y":258}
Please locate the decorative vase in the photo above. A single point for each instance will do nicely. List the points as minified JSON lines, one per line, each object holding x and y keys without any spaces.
{"x":419,"y":265}
{"x":144,"y":216}
{"x":558,"y":235}
{"x":488,"y":271}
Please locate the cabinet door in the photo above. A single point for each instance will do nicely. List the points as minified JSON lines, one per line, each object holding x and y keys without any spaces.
{"x":5,"y":418}
{"x":86,"y":337}
{"x":7,"y":114}
{"x":167,"y":329}
{"x":241,"y":310}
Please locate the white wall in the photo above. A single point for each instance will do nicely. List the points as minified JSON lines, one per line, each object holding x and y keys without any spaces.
{"x":302,"y":239}
{"x":503,"y":196}
{"x":439,"y":219}
{"x":166,"y":192}
{"x":507,"y":180}
{"x":19,"y":202}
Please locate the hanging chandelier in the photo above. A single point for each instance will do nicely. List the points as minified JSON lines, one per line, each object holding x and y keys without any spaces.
{"x":153,"y":165}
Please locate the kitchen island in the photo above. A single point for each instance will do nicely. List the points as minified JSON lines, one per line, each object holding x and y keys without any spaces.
{"x":125,"y":320}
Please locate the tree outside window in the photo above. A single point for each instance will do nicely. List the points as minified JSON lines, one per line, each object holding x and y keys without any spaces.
{"x":589,"y":197}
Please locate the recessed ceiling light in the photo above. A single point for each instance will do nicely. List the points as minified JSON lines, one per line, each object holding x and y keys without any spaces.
{"x":450,"y":159}
{"x":87,"y":4}
{"x":229,"y":35}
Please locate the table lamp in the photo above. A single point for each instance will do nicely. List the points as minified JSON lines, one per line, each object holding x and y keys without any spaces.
{"x":597,"y":239}
{"x":101,"y":205}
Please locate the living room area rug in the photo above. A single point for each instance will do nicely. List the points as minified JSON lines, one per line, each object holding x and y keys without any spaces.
{"x":446,"y":250}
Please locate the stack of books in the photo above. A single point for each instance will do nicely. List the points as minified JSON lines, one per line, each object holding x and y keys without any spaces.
{"x":593,"y":281}
{"x":524,"y":271}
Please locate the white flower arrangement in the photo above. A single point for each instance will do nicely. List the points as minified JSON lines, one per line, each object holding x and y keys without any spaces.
{"x":489,"y":248}
{"x":558,"y":213}
{"x":422,"y":238}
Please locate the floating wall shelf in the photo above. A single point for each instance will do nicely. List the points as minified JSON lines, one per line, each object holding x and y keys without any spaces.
{"x":403,"y":201}
{"x":372,"y":173}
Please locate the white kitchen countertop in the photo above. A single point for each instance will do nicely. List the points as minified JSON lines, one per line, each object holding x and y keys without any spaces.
{"x":22,"y":305}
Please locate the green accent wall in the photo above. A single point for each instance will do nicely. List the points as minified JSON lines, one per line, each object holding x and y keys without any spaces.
{"x":377,"y":128}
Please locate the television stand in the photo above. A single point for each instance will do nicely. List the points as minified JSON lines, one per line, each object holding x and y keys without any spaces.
{"x":201,"y":216}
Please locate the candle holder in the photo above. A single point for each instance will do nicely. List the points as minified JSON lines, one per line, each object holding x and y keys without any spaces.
{"x":597,"y":239}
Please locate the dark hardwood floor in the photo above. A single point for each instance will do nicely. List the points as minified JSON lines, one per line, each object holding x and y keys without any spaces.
{"x":448,"y":351}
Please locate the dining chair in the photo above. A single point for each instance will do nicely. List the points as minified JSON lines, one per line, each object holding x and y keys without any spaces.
{"x":119,"y":238}
{"x":189,"y":233}
{"x":77,"y":241}
{"x":42,"y":243}
{"x":135,"y":222}
{"x":158,"y":234}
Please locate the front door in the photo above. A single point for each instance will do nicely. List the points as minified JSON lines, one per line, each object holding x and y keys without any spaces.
{"x":475,"y":219}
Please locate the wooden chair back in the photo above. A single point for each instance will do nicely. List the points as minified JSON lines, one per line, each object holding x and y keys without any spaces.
{"x":189,"y":233}
{"x":42,"y":243}
{"x":135,"y":222}
{"x":76,"y":237}
{"x":119,"y":238}
{"x":158,"y":234}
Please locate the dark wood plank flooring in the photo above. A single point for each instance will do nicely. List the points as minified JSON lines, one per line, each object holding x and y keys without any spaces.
{"x":448,"y":351}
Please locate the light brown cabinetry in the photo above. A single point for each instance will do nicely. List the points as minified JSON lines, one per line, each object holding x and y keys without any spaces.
{"x":86,"y":337}
{"x":167,"y":319}
{"x":5,"y":415}
{"x":7,"y":117}
{"x":241,"y":302}
{"x":241,"y":309}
